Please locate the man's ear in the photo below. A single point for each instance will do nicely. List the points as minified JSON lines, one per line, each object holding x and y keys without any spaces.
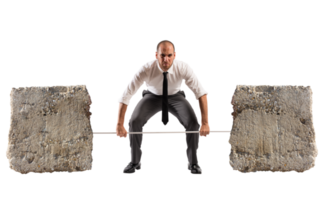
{"x":156,"y":55}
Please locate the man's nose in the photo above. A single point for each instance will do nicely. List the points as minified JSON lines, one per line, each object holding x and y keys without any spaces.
{"x":165,"y":59}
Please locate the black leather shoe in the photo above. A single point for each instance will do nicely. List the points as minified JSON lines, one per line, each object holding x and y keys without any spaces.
{"x":194,"y":168}
{"x":131,"y":167}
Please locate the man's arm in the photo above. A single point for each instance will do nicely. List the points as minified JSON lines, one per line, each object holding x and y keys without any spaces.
{"x":121,"y":114}
{"x":204,"y":129}
{"x":121,"y":131}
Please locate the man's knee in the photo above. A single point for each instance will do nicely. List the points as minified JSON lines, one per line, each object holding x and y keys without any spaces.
{"x":192,"y":124}
{"x":134,"y":122}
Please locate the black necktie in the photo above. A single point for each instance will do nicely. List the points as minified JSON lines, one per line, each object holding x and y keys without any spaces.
{"x":165,"y":116}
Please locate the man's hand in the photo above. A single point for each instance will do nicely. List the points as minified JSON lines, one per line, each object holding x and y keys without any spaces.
{"x":121,"y":131}
{"x":204,"y":130}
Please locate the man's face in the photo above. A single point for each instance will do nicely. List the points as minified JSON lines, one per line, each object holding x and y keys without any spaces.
{"x":165,"y":56}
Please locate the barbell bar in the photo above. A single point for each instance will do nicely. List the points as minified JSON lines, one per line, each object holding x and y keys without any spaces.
{"x":160,"y":132}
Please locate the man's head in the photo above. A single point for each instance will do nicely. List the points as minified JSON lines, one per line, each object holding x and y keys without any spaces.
{"x":165,"y":54}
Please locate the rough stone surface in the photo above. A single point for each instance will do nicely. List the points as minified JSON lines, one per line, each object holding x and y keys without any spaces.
{"x":50,"y":129}
{"x":272,"y":129}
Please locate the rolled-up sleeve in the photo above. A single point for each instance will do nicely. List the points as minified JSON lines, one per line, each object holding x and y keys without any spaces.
{"x":133,"y":86}
{"x":192,"y":82}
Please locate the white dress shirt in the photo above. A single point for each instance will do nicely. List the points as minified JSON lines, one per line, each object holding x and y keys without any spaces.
{"x":152,"y":74}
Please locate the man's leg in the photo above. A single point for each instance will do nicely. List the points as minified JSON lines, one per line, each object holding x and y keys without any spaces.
{"x":184,"y":112}
{"x":148,"y":106}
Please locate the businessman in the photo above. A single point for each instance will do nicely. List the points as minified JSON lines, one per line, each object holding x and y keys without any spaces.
{"x":163,"y":78}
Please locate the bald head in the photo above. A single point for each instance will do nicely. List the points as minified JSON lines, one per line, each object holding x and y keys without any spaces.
{"x":165,"y":43}
{"x":164,"y":47}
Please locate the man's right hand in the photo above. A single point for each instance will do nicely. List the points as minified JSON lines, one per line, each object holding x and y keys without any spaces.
{"x":121,"y":131}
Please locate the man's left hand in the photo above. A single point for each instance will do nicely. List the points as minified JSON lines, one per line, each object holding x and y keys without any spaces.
{"x":204,"y":130}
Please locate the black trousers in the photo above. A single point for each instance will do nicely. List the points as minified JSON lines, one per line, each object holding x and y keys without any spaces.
{"x":178,"y":106}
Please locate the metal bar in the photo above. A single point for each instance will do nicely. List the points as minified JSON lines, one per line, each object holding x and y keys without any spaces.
{"x":160,"y":132}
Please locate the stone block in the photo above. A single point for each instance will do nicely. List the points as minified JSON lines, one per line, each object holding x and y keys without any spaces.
{"x":50,"y":129}
{"x":272,"y":129}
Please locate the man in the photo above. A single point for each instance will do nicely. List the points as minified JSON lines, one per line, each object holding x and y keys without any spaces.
{"x":163,"y":78}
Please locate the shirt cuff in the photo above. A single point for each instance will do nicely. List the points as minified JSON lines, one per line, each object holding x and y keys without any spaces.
{"x":201,"y":94}
{"x":124,"y":101}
